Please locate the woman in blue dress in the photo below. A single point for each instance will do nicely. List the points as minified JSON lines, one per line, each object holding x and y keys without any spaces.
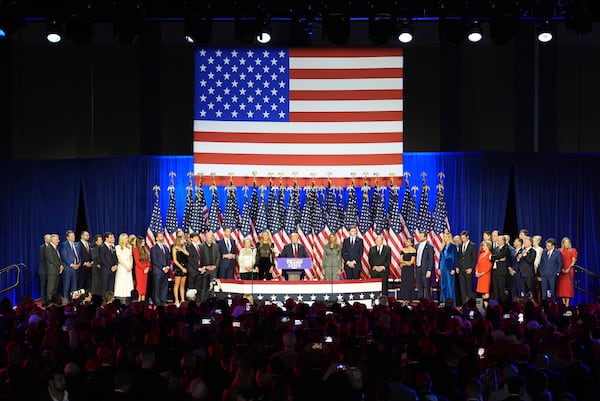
{"x":447,"y":268}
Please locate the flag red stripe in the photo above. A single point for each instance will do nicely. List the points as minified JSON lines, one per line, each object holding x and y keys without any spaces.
{"x":345,"y":52}
{"x":346,"y":116}
{"x":304,"y":160}
{"x":371,"y":94}
{"x":299,"y":138}
{"x":345,"y":73}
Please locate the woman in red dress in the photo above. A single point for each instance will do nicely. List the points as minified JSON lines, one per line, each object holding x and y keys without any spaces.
{"x":483,"y":270}
{"x":564,"y":283}
{"x":142,"y":267}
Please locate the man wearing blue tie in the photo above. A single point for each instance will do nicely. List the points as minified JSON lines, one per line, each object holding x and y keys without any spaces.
{"x":352,"y":251}
{"x":160,"y":255}
{"x":550,"y":266}
{"x":108,"y":263}
{"x":71,"y":261}
{"x":228,"y":251}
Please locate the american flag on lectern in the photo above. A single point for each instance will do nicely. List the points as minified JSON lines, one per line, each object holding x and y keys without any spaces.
{"x":298,"y":111}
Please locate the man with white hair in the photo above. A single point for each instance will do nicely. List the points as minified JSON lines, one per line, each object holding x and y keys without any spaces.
{"x":293,"y":250}
{"x":380,"y":258}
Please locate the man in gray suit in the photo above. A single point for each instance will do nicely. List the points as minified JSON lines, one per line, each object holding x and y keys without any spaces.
{"x":54,"y":267}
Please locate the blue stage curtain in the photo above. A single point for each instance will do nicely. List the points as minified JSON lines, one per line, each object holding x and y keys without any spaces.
{"x":39,"y":197}
{"x":475,"y":187}
{"x":557,"y":196}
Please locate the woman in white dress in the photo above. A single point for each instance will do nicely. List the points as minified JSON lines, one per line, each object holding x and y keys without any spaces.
{"x":123,"y":276}
{"x":247,"y":261}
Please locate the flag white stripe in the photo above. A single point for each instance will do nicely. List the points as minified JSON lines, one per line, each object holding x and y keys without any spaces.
{"x":345,"y":105}
{"x":343,"y":84}
{"x":280,"y":128}
{"x":346,"y":62}
{"x":242,"y":170}
{"x":298,"y":148}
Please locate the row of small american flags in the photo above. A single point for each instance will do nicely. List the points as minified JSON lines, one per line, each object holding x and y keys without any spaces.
{"x":325,"y":210}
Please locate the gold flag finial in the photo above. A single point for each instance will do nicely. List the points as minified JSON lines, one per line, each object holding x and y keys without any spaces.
{"x":406,"y":176}
{"x":353,"y":175}
{"x":230,"y":174}
{"x":270,"y":174}
{"x":414,"y":190}
{"x":214,"y":179}
{"x":190,"y":175}
{"x":172,"y":175}
{"x":392,"y":175}
{"x":440,"y":188}
{"x":200,"y":176}
{"x":156,"y":190}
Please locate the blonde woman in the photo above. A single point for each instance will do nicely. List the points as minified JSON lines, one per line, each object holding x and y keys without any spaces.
{"x":564,"y":283}
{"x":179,"y":254}
{"x":265,"y":258}
{"x":124,"y":276}
{"x":332,"y":258}
{"x":247,"y":261}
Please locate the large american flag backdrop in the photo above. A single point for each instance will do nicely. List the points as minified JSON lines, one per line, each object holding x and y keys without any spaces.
{"x":300,"y":113}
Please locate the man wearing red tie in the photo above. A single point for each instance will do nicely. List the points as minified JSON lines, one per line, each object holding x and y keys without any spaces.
{"x":85,"y":251}
{"x":293,"y":250}
{"x":550,"y":266}
{"x":71,"y":261}
{"x":195,"y":269}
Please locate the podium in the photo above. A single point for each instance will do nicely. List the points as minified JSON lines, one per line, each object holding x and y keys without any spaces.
{"x":294,"y":267}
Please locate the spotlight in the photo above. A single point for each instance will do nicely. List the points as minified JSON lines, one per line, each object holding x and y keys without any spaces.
{"x":475,"y":33}
{"x":264,"y":36}
{"x":2,"y":33}
{"x":405,"y":34}
{"x":198,"y":29}
{"x":381,"y":28}
{"x":54,"y":32}
{"x":545,"y":34}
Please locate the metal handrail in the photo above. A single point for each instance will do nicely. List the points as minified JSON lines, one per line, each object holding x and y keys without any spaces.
{"x":586,"y":271}
{"x":589,"y":273}
{"x":19,"y":267}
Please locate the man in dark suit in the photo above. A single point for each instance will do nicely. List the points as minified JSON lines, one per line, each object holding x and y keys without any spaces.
{"x":352,"y":251}
{"x":380,"y":258}
{"x":160,"y":255}
{"x":85,"y":251}
{"x":71,"y":261}
{"x":425,"y":265}
{"x":228,"y":250}
{"x":194,"y":265}
{"x":108,"y":262}
{"x":54,"y":267}
{"x":293,"y":250}
{"x":42,"y":268}
{"x":550,"y":266}
{"x":527,"y":271}
{"x":500,"y":261}
{"x":210,"y":259}
{"x":514,"y":268}
{"x":466,"y":259}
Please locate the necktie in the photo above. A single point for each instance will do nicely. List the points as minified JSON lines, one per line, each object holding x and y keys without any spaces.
{"x":87,"y":246}
{"x":549,"y":254}
{"x":464,"y":247}
{"x":295,"y":251}
{"x":197,"y":249}
{"x":352,"y":241}
{"x":228,"y":245}
{"x":74,"y":253}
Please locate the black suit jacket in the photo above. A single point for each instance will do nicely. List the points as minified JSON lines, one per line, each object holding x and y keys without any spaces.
{"x":108,"y":259}
{"x":160,"y":257}
{"x":53,"y":261}
{"x":383,"y":259}
{"x":288,"y":251}
{"x":526,"y":263}
{"x":226,"y":263}
{"x":468,"y":258}
{"x":194,"y":257}
{"x":501,"y":265}
{"x":353,"y":252}
{"x":210,"y":255}
{"x":42,"y":261}
{"x":84,"y":254}
{"x":428,"y":257}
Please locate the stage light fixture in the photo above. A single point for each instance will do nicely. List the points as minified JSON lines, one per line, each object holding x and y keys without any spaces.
{"x":544,"y":33}
{"x":246,"y":29}
{"x":264,"y":36}
{"x":475,"y":33}
{"x":198,"y":29}
{"x":336,"y":27}
{"x":405,"y":33}
{"x":54,"y":32}
{"x":381,"y":28}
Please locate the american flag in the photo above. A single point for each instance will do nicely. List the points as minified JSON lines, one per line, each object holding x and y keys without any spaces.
{"x":320,"y":232}
{"x":342,"y":232}
{"x":290,"y":221}
{"x":231,"y":217}
{"x":305,"y":229}
{"x":424,"y":223}
{"x":380,"y":217}
{"x":246,"y":221}
{"x":155,"y":224}
{"x":280,"y":238}
{"x":186,"y":223}
{"x":214,"y":214}
{"x":351,"y":215}
{"x":171,"y":223}
{"x":440,"y":222}
{"x":199,"y":213}
{"x":261,"y":215}
{"x":397,"y":233}
{"x":333,"y":215}
{"x":290,"y":110}
{"x":409,"y":210}
{"x":365,"y":227}
{"x":253,"y":212}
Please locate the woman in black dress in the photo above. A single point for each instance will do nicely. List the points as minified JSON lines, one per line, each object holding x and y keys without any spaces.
{"x":408,"y":265}
{"x":180,"y":262}
{"x":265,"y":260}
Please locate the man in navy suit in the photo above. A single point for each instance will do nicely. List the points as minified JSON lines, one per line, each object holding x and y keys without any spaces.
{"x":194,"y":265}
{"x":228,"y":251}
{"x":425,"y":265}
{"x":293,"y":250}
{"x":527,"y":271}
{"x":550,"y":266}
{"x":466,"y":259}
{"x":85,"y":251}
{"x":108,"y":262}
{"x":352,"y":251}
{"x":160,"y":255}
{"x":71,"y":261}
{"x":501,"y":258}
